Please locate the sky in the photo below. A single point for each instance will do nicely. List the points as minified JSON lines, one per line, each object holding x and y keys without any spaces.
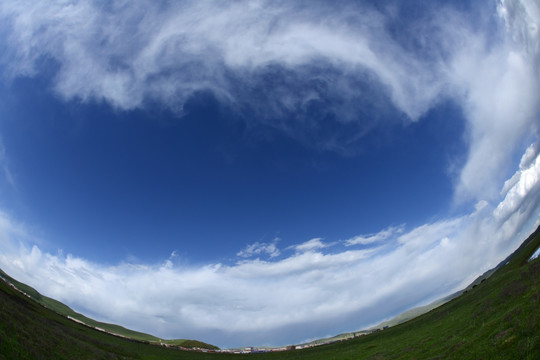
{"x":264,"y":173}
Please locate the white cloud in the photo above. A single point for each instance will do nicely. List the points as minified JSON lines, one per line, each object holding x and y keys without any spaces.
{"x":501,"y":107}
{"x":311,"y":245}
{"x":127,"y":53}
{"x":260,"y":248}
{"x":499,"y":84}
{"x":525,"y":186}
{"x":5,"y":166}
{"x":374,"y":238}
{"x":523,"y":20}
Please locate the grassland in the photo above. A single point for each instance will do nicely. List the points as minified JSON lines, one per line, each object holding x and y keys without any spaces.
{"x":497,"y":319}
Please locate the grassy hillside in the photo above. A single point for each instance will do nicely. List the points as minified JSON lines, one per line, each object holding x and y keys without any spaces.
{"x":30,"y":331}
{"x":415,"y":312}
{"x":65,"y":310}
{"x":497,"y":319}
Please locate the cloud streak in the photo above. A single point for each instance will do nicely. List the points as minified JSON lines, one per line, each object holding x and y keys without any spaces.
{"x":498,"y":84}
{"x":4,"y":165}
{"x":374,"y":238}
{"x":258,"y":248}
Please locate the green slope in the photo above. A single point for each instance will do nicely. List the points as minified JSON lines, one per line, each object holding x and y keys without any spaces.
{"x":31,"y":331}
{"x":497,"y":319}
{"x":415,"y":312}
{"x":65,"y":310}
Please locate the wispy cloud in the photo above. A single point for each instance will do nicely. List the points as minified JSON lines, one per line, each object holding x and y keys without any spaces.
{"x":311,"y":245}
{"x":498,"y":83}
{"x":5,"y":166}
{"x":374,"y":238}
{"x":258,"y":248}
{"x":123,"y":53}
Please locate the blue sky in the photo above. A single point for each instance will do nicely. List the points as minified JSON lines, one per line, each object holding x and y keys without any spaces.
{"x":264,"y":172}
{"x":205,"y":181}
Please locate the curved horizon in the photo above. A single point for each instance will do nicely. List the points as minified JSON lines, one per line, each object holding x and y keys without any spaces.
{"x":264,"y":173}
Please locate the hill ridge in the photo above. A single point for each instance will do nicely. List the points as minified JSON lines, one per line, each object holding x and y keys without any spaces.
{"x":112,"y":329}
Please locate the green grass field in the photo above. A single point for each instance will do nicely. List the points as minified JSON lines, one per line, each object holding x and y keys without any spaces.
{"x":497,"y":319}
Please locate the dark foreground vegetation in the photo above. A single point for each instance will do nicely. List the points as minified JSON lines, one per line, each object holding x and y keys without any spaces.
{"x":497,"y":319}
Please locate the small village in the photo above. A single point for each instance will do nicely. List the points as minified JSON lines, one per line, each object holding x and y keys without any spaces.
{"x":336,"y":339}
{"x":266,"y":349}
